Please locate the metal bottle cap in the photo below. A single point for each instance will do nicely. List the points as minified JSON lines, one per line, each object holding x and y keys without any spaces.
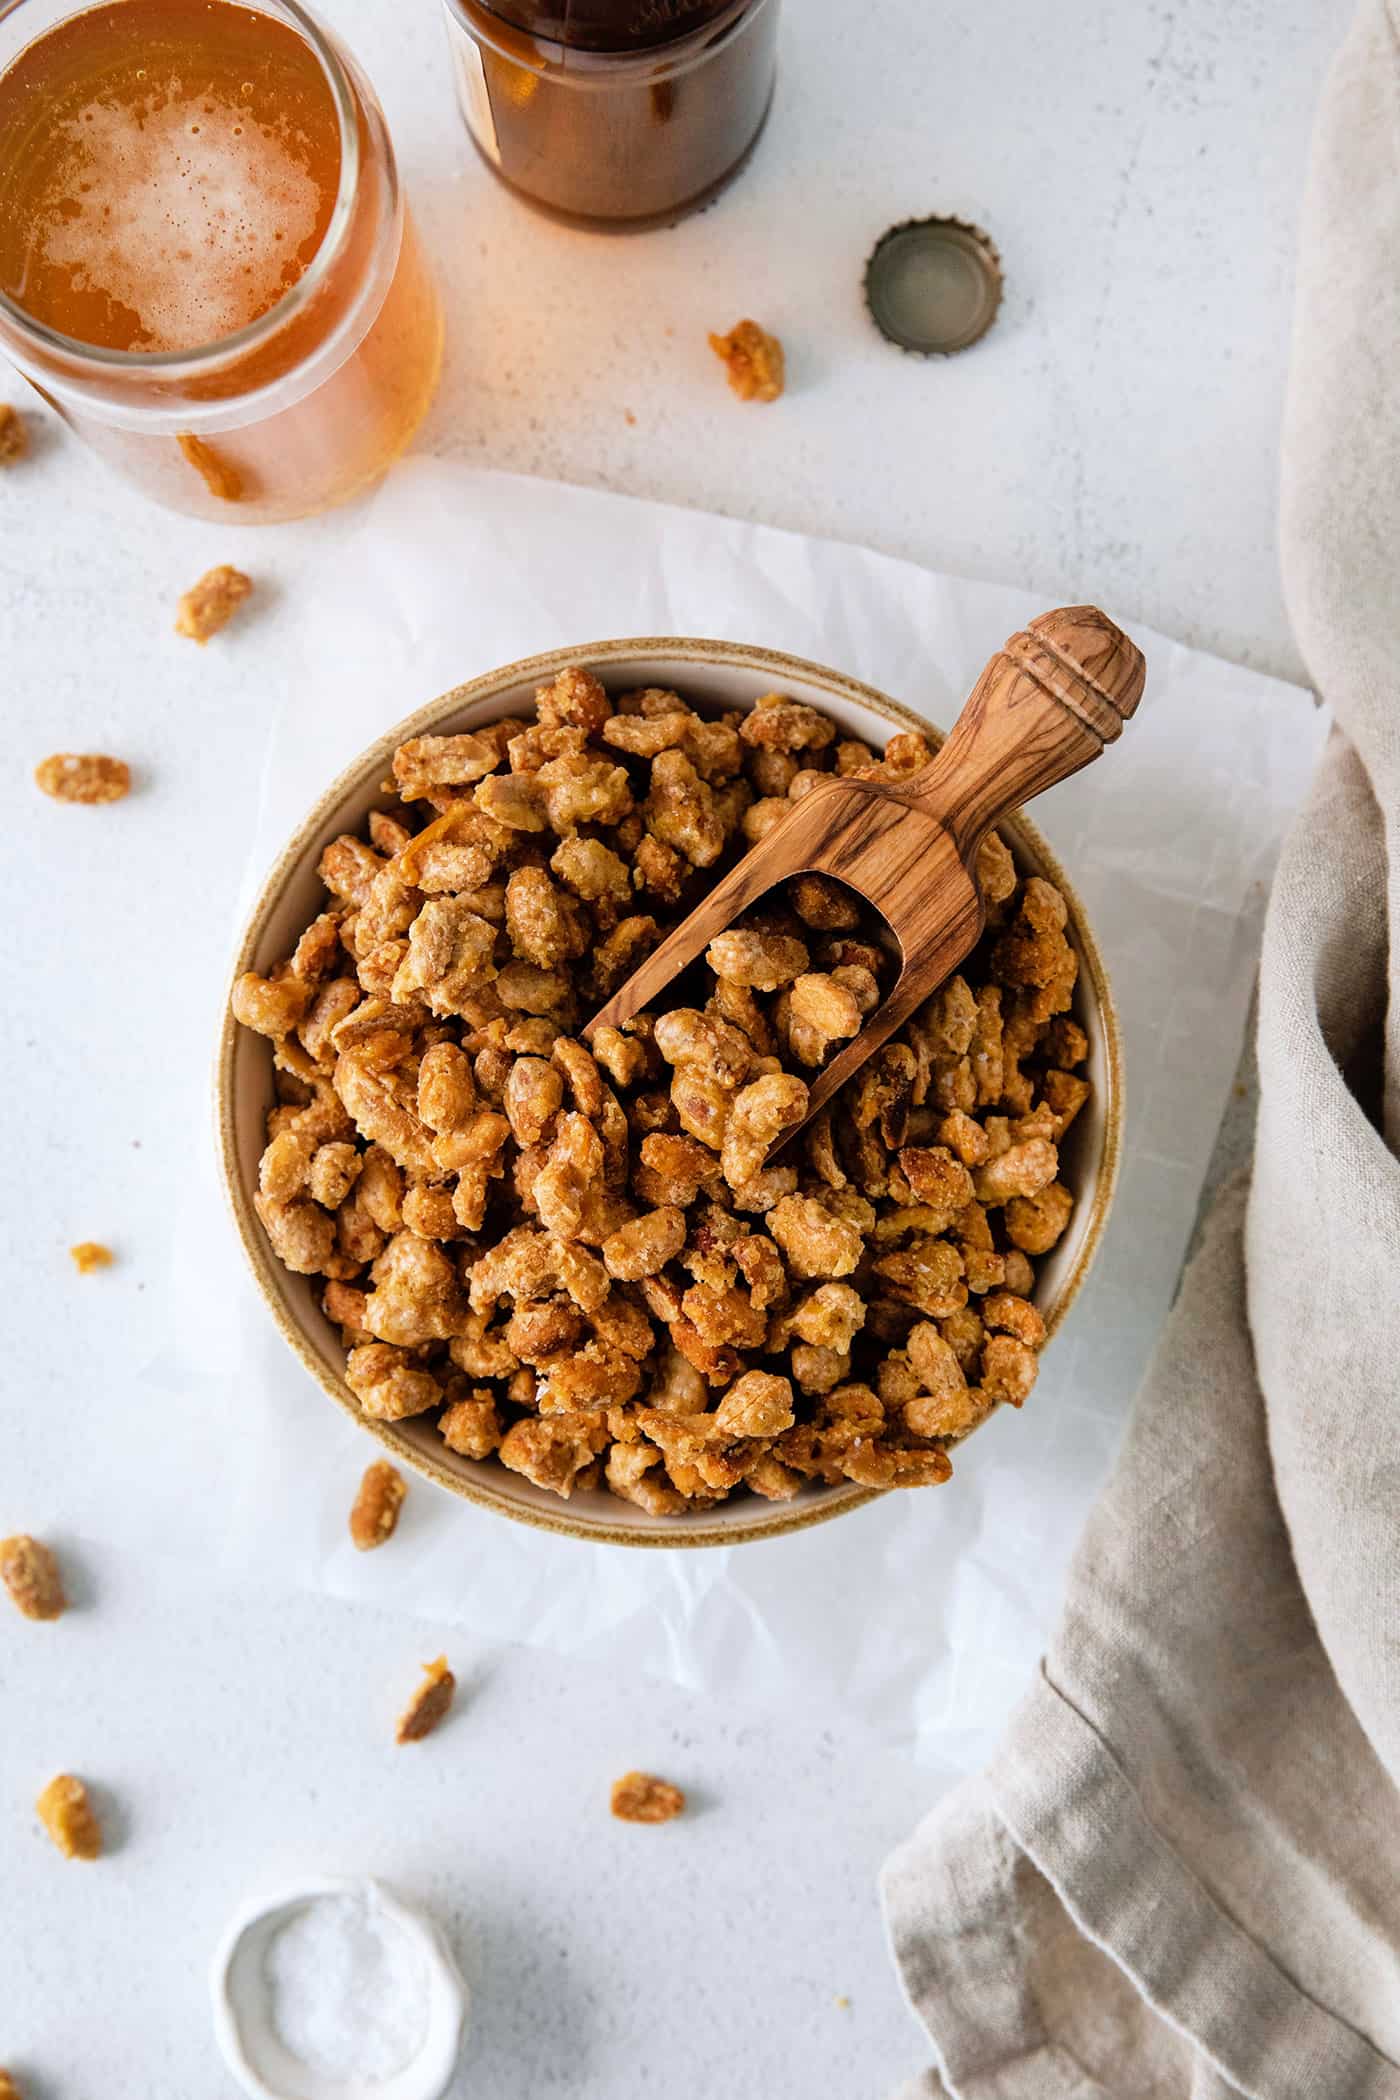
{"x":933,"y":285}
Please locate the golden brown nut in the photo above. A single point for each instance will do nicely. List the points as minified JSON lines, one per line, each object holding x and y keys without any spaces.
{"x":757,"y":366}
{"x":71,"y":776}
{"x":374,"y":1513}
{"x":14,"y":436}
{"x":211,"y":603}
{"x":89,"y":1255}
{"x":69,"y":1818}
{"x":638,"y":1797}
{"x":428,"y":1708}
{"x":31,"y":1574}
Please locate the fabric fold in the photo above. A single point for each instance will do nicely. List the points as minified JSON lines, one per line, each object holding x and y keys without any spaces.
{"x":1179,"y":1877}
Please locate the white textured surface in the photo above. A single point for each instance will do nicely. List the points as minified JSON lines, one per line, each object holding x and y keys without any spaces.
{"x":1114,"y":438}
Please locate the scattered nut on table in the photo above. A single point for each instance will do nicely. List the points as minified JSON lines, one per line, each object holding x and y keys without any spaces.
{"x":211,"y":603}
{"x":429,"y":1706}
{"x":83,"y":776}
{"x":69,"y":1818}
{"x":757,"y":366}
{"x":8,"y":2089}
{"x":31,"y":1574}
{"x":375,"y":1512}
{"x":89,"y":1255}
{"x":640,"y":1797}
{"x":14,"y":443}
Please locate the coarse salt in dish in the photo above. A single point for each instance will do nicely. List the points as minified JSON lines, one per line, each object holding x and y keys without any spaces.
{"x":339,"y":1991}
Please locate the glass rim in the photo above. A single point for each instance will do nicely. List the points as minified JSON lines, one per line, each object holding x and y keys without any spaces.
{"x":582,"y":65}
{"x":174,"y":364}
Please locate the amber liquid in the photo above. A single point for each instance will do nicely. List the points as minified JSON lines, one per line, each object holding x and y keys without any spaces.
{"x":168,"y":172}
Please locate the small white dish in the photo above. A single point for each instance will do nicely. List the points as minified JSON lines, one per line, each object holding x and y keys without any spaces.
{"x":243,"y":2004}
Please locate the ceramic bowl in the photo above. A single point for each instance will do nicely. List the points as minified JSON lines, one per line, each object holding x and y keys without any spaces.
{"x":720,"y":675}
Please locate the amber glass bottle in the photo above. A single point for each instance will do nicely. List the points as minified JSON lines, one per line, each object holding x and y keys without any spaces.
{"x":615,"y":112}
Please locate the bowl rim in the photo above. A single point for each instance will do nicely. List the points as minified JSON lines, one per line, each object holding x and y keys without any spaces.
{"x":773,"y":665}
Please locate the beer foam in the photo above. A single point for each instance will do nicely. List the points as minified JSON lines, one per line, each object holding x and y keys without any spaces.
{"x":183,"y":209}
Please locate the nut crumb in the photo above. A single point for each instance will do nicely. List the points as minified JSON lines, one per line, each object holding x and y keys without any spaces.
{"x":30,"y":1574}
{"x":375,"y":1513}
{"x":83,"y":776}
{"x":757,"y":367}
{"x":69,"y":1818}
{"x":14,"y":443}
{"x":639,"y":1797}
{"x":843,"y":2002}
{"x":212,"y":602}
{"x":89,"y":1255}
{"x":429,"y":1706}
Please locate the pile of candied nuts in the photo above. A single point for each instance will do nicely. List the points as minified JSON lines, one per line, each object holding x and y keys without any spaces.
{"x":575,"y":1257}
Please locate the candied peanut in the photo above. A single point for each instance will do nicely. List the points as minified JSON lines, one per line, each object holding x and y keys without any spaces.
{"x":762,"y":1268}
{"x":685,"y":1037}
{"x":575,"y":697}
{"x":387,"y":1384}
{"x":271,"y":1007}
{"x":763,"y":960}
{"x":829,"y":1317}
{"x":380,"y":1115}
{"x":429,"y":1706}
{"x":593,"y":872}
{"x":31,"y":1574}
{"x":638,"y":1797}
{"x":1065,"y":1043}
{"x":680,"y":810}
{"x":545,"y":925}
{"x":814,"y":1242}
{"x":514,"y":800}
{"x":552,"y":1450}
{"x":375,"y":1511}
{"x":622,"y":1057}
{"x":533,"y":1097}
{"x":416,"y":1297}
{"x":446,"y":1088}
{"x":332,"y":1174}
{"x":996,"y":871}
{"x":69,"y":1818}
{"x":703,"y":1104}
{"x":928,"y":1275}
{"x":9,"y":2090}
{"x":14,"y":435}
{"x":209,"y":605}
{"x":450,"y":950}
{"x":428,"y":762}
{"x":1008,"y":1313}
{"x":826,"y":1008}
{"x":1065,"y":1093}
{"x":964,"y":1137}
{"x":87,"y":777}
{"x":762,"y":1111}
{"x":822,"y":903}
{"x":644,"y":1246}
{"x":575,"y":1162}
{"x":302,"y":1234}
{"x":617,"y":956}
{"x":753,"y":359}
{"x":472,"y":1426}
{"x":1022,"y":1170}
{"x":526,"y":988}
{"x":937,"y":1179}
{"x":878,"y":1465}
{"x":1008,"y":1368}
{"x":758,"y":1404}
{"x":948,"y":1415}
{"x":89,"y":1256}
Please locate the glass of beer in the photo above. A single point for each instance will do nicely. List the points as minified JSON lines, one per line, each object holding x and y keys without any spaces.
{"x":206,"y":263}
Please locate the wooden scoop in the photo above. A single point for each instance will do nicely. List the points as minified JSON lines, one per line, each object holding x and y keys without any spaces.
{"x":1045,"y":706}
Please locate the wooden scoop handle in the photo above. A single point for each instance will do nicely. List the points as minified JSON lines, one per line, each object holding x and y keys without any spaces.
{"x":1045,"y":706}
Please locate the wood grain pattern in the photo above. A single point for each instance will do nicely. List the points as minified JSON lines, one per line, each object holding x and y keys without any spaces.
{"x":1044,"y":707}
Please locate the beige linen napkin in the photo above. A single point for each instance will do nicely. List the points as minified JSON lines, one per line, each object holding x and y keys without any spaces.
{"x":1180,"y":1876}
